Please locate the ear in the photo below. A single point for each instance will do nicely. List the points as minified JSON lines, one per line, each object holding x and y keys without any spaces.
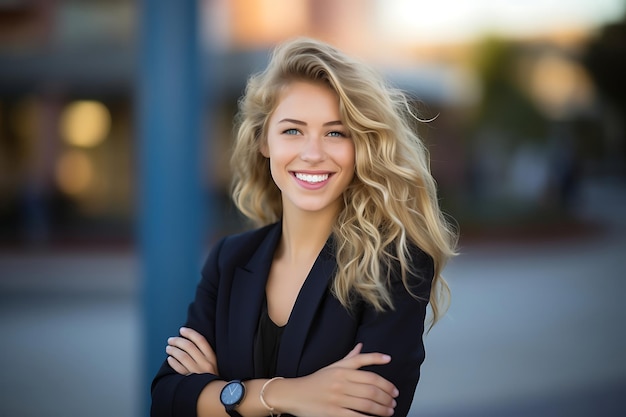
{"x":263,"y":149}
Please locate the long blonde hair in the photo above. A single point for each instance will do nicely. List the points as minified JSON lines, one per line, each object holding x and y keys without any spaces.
{"x":392,"y":202}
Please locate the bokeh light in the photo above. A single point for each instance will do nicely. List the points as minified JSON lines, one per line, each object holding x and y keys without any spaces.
{"x":85,"y":123}
{"x":74,"y":172}
{"x":561,"y":86}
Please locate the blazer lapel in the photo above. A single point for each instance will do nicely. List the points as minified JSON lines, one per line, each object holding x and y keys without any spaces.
{"x":304,"y":311}
{"x":248,"y":293}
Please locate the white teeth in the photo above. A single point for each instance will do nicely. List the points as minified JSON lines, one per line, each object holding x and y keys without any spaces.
{"x":311,"y":178}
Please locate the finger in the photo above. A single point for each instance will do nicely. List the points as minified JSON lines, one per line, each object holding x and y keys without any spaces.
{"x":191,"y":357}
{"x":188,"y":347}
{"x":355,"y":351}
{"x":366,"y":383}
{"x":367,"y":406}
{"x":196,"y":346}
{"x":184,"y":344}
{"x":183,"y":357}
{"x":365,"y":359}
{"x":177,"y":366}
{"x":200,"y":341}
{"x":382,"y":394}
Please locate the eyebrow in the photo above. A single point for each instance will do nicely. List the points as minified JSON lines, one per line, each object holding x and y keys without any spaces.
{"x":301,"y":123}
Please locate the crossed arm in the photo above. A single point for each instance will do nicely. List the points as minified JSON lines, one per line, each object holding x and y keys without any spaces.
{"x":189,"y":382}
{"x":340,"y":389}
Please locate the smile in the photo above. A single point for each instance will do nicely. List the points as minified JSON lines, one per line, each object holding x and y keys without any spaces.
{"x":311,"y":178}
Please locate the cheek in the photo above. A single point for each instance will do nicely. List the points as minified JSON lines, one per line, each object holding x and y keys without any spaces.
{"x":278,"y":154}
{"x":349,"y":157}
{"x":351,"y":163}
{"x":277,"y":169}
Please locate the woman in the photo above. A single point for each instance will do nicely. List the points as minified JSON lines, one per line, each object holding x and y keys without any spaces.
{"x":321,"y":310}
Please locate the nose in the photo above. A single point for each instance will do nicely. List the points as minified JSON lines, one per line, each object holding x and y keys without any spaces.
{"x":312,"y":149}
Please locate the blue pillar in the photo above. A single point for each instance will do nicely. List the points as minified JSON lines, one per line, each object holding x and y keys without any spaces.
{"x":170,"y":210}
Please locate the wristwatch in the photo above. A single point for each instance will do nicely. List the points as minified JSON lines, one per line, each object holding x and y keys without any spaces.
{"x":232,"y":394}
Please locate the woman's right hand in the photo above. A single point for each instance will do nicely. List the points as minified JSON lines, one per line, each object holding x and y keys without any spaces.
{"x":191,"y":353}
{"x":341,"y":389}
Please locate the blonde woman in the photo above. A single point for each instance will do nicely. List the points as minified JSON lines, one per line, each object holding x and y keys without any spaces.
{"x":321,"y":310}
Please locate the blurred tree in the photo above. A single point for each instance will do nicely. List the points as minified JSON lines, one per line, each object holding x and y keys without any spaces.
{"x":508,"y":158}
{"x":505,"y":108}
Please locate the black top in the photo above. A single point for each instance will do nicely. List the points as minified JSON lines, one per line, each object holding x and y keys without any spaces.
{"x":266,"y":346}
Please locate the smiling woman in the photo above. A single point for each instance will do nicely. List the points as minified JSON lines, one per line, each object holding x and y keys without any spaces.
{"x":350,"y":248}
{"x":309,"y":150}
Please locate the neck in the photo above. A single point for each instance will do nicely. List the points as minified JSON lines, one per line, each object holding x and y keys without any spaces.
{"x":304,"y":234}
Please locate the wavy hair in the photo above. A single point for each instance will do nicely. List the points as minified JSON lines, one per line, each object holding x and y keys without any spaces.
{"x":391,"y":203}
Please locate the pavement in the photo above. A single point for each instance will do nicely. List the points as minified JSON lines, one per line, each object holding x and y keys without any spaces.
{"x":535,"y":329}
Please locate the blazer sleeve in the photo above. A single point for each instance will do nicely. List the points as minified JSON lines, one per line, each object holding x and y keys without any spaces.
{"x":398,"y":332}
{"x":175,"y":395}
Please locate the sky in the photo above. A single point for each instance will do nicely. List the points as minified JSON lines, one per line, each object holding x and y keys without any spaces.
{"x":452,"y":20}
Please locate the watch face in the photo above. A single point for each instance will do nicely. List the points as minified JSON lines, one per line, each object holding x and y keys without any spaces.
{"x":232,"y":393}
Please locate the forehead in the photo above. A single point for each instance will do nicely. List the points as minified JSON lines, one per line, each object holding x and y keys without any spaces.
{"x":308,"y":99}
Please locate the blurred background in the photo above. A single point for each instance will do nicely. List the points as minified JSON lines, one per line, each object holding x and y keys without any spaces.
{"x":526,"y":110}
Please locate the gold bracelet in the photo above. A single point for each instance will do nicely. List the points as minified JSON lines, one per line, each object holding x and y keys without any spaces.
{"x":270,"y":409}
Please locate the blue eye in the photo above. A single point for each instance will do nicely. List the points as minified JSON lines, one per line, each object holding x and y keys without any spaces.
{"x":291,"y":132}
{"x":337,"y":134}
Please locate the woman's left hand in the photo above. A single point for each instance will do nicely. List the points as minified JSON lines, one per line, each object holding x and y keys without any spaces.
{"x":191,"y":353}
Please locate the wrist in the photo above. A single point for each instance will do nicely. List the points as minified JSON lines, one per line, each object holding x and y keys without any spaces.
{"x":231,"y":395}
{"x":273,"y":396}
{"x":270,"y":405}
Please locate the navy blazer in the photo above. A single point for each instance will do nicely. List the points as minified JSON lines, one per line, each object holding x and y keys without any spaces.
{"x":320,"y":331}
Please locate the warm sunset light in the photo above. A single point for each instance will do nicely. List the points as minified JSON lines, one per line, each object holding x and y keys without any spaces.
{"x":454,"y":20}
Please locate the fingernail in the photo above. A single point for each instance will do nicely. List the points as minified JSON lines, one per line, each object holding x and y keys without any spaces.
{"x":396,"y":392}
{"x":387,"y":357}
{"x":183,"y":329}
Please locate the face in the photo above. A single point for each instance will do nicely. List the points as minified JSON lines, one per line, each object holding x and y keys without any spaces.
{"x":310,"y":150}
